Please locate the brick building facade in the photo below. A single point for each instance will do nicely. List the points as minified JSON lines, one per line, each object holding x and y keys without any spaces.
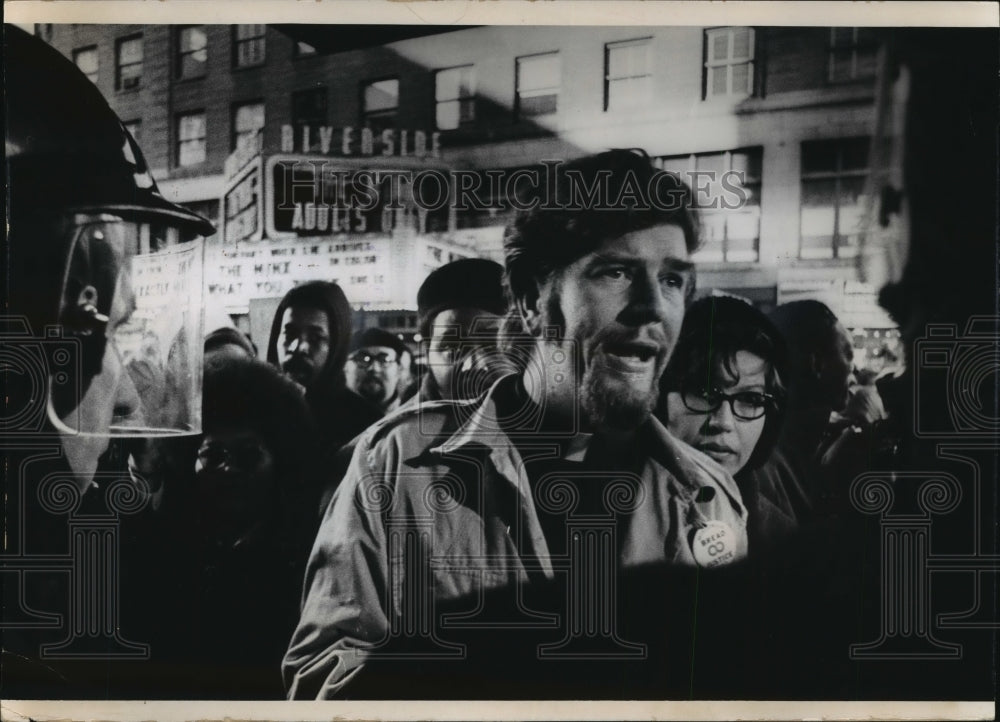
{"x":792,"y":110}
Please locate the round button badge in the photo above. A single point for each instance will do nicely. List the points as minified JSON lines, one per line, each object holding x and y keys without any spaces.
{"x":713,"y":544}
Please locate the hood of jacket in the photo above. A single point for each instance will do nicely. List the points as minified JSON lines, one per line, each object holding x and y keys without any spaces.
{"x":329,"y":298}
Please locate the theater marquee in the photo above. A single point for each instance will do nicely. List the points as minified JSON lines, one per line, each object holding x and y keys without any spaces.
{"x":317,"y":195}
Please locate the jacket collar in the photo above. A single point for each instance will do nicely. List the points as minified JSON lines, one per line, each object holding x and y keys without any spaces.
{"x":681,"y":461}
{"x":481,"y":425}
{"x":685,"y":463}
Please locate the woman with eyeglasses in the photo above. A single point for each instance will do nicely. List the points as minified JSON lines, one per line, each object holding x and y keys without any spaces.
{"x":723,"y":393}
{"x":237,"y":526}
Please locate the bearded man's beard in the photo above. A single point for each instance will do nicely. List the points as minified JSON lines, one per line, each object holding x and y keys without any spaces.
{"x":372,"y":388}
{"x":612,"y":404}
{"x":605,"y":401}
{"x":300,"y":369}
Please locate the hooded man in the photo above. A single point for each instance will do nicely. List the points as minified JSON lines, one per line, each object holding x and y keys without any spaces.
{"x":309,"y":341}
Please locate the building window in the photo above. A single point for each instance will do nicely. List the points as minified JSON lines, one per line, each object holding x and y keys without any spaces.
{"x":248,"y":122}
{"x":852,"y":54}
{"x":209,"y":209}
{"x":626,"y":74}
{"x":191,"y":135}
{"x":86,"y":61}
{"x":538,"y":81}
{"x":192,"y":51}
{"x":303,"y":50}
{"x":834,"y":180}
{"x":134,"y":127}
{"x":729,"y":55}
{"x":379,"y":104}
{"x":455,"y":95}
{"x":128,"y":70}
{"x":308,"y":111}
{"x":248,"y":45}
{"x":726,"y":188}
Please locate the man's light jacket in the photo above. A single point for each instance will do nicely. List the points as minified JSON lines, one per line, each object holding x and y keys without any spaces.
{"x":431,"y":478}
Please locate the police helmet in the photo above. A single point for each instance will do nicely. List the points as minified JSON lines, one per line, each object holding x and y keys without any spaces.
{"x":98,"y":259}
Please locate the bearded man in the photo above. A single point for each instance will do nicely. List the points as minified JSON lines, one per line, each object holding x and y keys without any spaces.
{"x":309,"y":341}
{"x":598,"y":294}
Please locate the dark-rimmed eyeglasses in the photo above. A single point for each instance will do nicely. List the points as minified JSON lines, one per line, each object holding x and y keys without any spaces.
{"x":365,"y":360}
{"x":745,"y":405}
{"x":244,"y":455}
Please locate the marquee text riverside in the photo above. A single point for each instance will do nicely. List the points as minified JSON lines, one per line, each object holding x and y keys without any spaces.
{"x":349,"y":141}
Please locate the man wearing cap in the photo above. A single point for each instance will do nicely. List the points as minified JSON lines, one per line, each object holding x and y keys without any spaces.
{"x":449,"y":500}
{"x":461,"y":305}
{"x":373,"y":368}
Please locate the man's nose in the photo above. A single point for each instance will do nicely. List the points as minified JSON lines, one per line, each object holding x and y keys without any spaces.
{"x":646,"y":301}
{"x":128,"y":403}
{"x":299,"y":344}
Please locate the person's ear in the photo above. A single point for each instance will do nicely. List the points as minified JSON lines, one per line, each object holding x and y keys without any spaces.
{"x":816,"y":366}
{"x":528,"y":305}
{"x":83,"y":316}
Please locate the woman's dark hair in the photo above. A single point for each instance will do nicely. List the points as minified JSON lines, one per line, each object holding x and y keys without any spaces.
{"x":226,"y":336}
{"x":241,"y":393}
{"x":714,"y":329}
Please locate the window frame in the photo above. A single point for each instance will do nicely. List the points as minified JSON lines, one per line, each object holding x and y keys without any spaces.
{"x":78,"y":52}
{"x":298,"y":121}
{"x":178,"y":120}
{"x":644,"y":42}
{"x":368,"y":115}
{"x":119,"y":65}
{"x":239,"y":43}
{"x":837,"y":238}
{"x":755,"y":181}
{"x":519,"y":112}
{"x":470,"y":100}
{"x":180,"y":54}
{"x":234,"y":133}
{"x":855,"y":47}
{"x":711,"y":65}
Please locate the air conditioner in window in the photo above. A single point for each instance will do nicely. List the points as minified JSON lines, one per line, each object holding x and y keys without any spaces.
{"x":130,"y":83}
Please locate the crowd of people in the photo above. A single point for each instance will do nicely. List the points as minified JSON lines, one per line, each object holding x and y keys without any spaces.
{"x":336,"y":500}
{"x":584,"y":366}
